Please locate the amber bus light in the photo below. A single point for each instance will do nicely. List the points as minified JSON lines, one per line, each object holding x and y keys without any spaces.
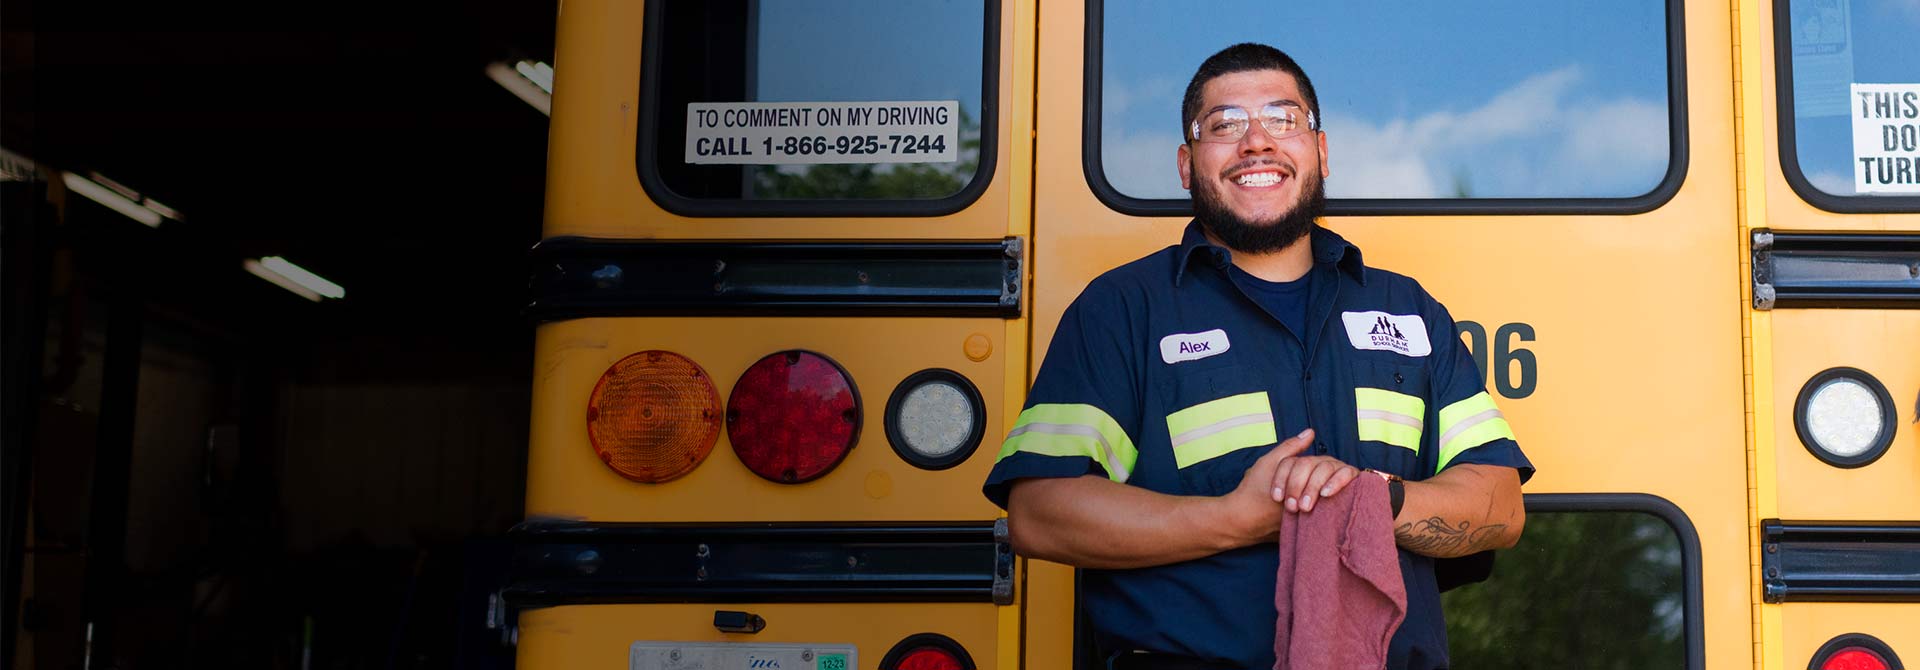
{"x":653,"y":416}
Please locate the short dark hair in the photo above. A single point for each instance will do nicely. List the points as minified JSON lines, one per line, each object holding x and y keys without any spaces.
{"x":1243,"y":57}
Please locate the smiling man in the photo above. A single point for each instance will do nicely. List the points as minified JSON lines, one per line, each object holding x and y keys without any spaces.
{"x":1150,"y":450}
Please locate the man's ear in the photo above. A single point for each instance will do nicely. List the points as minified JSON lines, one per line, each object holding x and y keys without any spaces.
{"x":1186,"y":167}
{"x":1326,"y":169}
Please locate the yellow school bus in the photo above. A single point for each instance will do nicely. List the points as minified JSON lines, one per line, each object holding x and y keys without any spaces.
{"x":801,"y":260}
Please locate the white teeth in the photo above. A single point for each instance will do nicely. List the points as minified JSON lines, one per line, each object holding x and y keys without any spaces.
{"x":1258,"y":179}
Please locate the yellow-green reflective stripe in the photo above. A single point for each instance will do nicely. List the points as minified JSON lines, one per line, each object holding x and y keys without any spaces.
{"x":1468,"y":424}
{"x":1073,"y":430}
{"x":1388,"y":401}
{"x":1390,"y":432}
{"x":1217,"y":427}
{"x":1393,"y":418}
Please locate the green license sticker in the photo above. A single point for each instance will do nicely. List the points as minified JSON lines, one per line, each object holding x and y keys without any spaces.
{"x":832,"y":662}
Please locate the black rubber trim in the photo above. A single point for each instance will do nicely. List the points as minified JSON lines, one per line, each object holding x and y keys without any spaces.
{"x":1791,"y":291}
{"x":1842,"y":642}
{"x":858,"y":413}
{"x":1086,"y":656}
{"x":573,"y":562}
{"x":1669,"y":185}
{"x":1889,"y":417}
{"x":648,"y":147}
{"x":1789,"y":143}
{"x":899,"y":441}
{"x":574,"y":277}
{"x":922,"y":640}
{"x":1840,"y":561}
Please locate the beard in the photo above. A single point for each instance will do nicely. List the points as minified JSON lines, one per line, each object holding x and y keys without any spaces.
{"x":1244,"y":236}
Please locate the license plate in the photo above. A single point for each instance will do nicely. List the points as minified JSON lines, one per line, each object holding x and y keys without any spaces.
{"x":740,"y":656}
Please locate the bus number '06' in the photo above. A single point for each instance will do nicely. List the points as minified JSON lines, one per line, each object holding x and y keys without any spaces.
{"x":1515,"y":370}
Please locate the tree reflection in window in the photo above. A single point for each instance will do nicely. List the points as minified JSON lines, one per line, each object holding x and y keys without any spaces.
{"x":1600,"y":590}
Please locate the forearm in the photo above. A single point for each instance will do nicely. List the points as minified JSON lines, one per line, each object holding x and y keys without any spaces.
{"x":1093,"y":522}
{"x":1465,"y":509}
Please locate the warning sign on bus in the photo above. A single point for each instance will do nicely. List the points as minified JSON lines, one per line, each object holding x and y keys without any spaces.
{"x":785,"y":133}
{"x":1886,"y":138}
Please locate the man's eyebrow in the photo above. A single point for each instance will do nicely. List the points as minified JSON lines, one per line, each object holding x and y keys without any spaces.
{"x":1284,"y":103}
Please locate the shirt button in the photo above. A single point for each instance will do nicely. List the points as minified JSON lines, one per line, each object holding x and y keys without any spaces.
{"x":1308,"y":376}
{"x":1397,"y":379}
{"x":1320,"y":447}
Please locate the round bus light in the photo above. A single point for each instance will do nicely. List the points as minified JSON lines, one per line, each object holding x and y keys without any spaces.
{"x":1854,"y":651}
{"x":935,"y":419}
{"x":1845,"y":417}
{"x":653,"y":416}
{"x":793,"y":416}
{"x":927,"y":651}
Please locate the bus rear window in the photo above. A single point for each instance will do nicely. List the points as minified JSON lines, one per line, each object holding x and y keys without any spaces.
{"x":1850,"y":102}
{"x":795,"y":107}
{"x":1420,"y":101}
{"x":1587,"y":589}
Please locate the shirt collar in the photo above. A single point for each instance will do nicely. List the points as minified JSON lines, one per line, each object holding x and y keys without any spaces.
{"x":1328,"y":248}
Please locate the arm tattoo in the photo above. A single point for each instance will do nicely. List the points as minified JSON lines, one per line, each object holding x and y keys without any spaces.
{"x":1433,"y":536}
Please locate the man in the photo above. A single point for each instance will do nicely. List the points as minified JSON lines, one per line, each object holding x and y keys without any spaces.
{"x":1146,"y":454}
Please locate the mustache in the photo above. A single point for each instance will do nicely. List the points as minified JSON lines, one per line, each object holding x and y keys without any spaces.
{"x":1286,"y":169}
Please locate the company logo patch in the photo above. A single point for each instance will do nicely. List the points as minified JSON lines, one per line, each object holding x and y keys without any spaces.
{"x":1180,"y":347}
{"x":1404,"y":334}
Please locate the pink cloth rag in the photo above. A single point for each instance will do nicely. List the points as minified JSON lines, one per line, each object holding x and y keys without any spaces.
{"x":1340,"y":596}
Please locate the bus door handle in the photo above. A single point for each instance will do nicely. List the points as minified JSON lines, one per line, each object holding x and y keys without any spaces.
{"x":729,"y":621}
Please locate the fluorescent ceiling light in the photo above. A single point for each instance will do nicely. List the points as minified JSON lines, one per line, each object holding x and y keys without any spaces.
{"x":530,"y":81}
{"x":111,"y":198}
{"x":294,"y":278}
{"x":541,"y":74}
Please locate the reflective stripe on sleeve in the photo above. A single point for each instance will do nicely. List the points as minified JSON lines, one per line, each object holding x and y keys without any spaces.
{"x":1468,"y":424}
{"x":1073,"y":430}
{"x":1386,"y":416}
{"x":1218,"y":427}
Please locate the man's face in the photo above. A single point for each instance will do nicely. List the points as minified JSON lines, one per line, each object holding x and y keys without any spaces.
{"x":1258,"y":194}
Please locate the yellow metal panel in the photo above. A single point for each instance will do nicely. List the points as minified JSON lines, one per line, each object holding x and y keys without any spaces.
{"x":598,"y":636}
{"x":593,"y":188}
{"x":565,"y":478}
{"x":1881,"y":342}
{"x":1810,"y":625}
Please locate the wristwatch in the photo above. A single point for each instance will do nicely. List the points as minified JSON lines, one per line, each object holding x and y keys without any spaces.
{"x":1396,"y":490}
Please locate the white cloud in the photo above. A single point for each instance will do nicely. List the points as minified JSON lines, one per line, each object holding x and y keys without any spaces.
{"x":1832,"y":182}
{"x":1143,"y":165}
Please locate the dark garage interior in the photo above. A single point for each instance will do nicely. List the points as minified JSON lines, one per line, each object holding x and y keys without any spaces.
{"x":206,"y":470}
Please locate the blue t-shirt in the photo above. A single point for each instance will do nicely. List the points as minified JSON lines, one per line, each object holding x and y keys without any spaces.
{"x":1173,"y":374}
{"x":1285,"y":300}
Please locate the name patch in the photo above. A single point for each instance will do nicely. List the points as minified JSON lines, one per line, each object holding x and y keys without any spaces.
{"x":1404,"y":334}
{"x":1180,"y":347}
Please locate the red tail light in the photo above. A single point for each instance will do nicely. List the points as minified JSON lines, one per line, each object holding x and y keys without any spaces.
{"x":653,"y":417}
{"x":927,"y":651}
{"x":1854,"y":651}
{"x":1854,"y":658}
{"x":793,"y":416}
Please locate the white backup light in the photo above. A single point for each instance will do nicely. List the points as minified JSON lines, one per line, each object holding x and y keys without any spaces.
{"x":935,"y":419}
{"x":1845,"y":417}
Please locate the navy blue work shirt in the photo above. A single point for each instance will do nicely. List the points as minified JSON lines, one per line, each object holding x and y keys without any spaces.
{"x":1165,"y":374}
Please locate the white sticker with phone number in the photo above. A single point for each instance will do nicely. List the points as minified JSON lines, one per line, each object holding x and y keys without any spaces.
{"x":790,"y":133}
{"x":740,"y":656}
